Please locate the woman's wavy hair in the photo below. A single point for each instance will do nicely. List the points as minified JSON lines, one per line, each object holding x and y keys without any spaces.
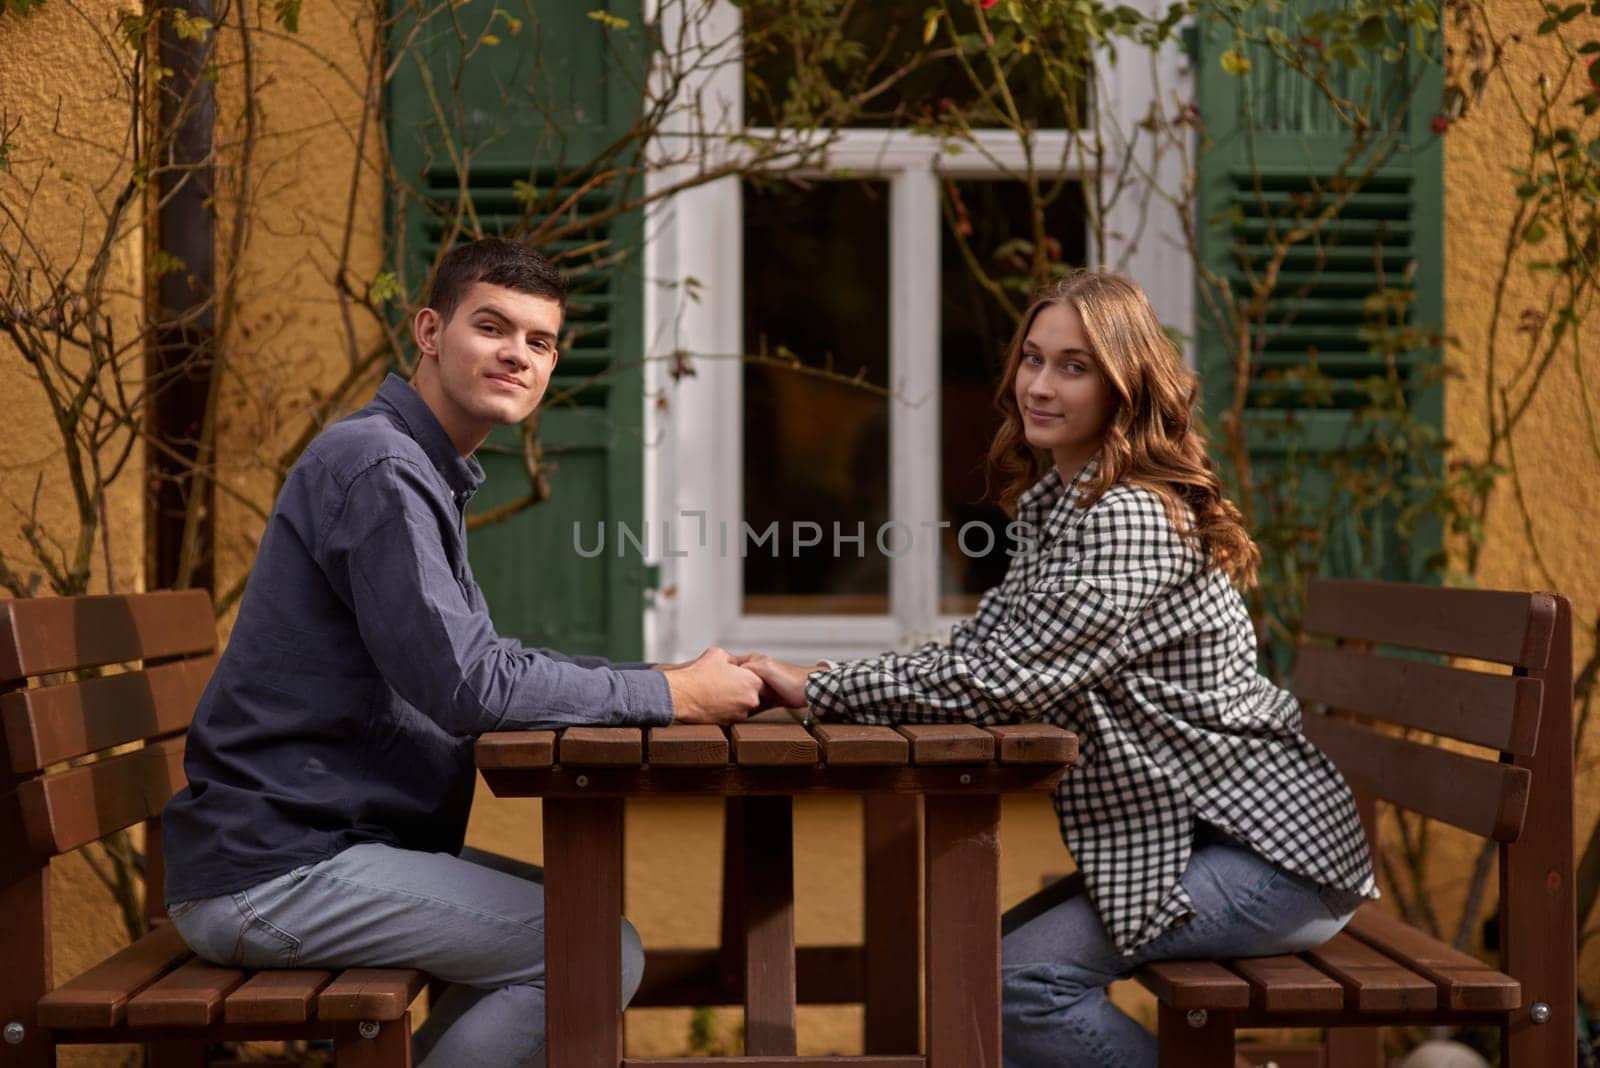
{"x":1154,"y":439}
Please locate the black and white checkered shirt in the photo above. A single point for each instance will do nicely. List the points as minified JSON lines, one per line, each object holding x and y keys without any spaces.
{"x":1115,"y":628}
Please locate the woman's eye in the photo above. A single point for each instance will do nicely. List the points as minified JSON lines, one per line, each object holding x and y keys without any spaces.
{"x":1033,"y":358}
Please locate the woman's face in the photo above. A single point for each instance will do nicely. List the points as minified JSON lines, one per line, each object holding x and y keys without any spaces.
{"x":1064,"y":398}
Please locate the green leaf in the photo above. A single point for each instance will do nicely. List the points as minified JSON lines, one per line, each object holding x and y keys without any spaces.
{"x":489,"y":39}
{"x":386,"y":286}
{"x":5,"y":156}
{"x":1534,"y":232}
{"x":1371,"y":32}
{"x":930,"y":27}
{"x":1589,"y":49}
{"x":608,"y":20}
{"x":1235,"y":62}
{"x":1571,"y":12}
{"x":287,"y":12}
{"x":188,"y":27}
{"x":1548,"y":26}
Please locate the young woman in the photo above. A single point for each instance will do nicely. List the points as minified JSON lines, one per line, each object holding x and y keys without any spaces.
{"x":1203,"y":822}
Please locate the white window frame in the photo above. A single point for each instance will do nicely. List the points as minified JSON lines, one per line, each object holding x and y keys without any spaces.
{"x":694,"y":446}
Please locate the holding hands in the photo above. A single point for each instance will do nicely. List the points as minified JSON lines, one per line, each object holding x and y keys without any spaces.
{"x":718,"y":687}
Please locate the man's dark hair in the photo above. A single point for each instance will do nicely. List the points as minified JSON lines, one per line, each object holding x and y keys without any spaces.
{"x":500,"y":262}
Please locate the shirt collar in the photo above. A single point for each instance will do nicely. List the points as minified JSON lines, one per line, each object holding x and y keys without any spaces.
{"x":462,"y":473}
{"x":1043,"y":497}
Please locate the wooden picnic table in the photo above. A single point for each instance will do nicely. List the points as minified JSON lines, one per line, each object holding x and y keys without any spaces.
{"x":958,"y":772}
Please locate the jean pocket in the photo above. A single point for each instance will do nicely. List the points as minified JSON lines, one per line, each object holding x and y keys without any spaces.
{"x":263,"y":945}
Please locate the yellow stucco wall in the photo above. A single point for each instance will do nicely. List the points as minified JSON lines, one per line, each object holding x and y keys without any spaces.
{"x":1542,"y":524}
{"x":56,"y":85}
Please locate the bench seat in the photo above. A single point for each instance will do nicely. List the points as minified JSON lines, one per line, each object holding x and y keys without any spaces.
{"x":1377,"y":967}
{"x":157,"y":984}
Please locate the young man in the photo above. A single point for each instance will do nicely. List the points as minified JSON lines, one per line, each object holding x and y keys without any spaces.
{"x":330,"y":760}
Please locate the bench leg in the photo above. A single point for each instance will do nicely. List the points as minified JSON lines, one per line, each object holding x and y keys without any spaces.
{"x":1183,"y":1045}
{"x":177,"y":1054}
{"x":389,"y":1048}
{"x":963,"y":930}
{"x":25,"y":931}
{"x":1355,"y":1047}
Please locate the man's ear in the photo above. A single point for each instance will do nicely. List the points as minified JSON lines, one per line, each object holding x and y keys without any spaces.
{"x":426,"y":326}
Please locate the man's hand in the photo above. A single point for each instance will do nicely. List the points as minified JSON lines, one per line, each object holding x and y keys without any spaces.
{"x":712,"y":688}
{"x":785,"y":682}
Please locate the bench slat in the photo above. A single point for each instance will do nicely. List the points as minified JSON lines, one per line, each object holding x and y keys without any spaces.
{"x":73,"y":808}
{"x":54,"y":723}
{"x":1465,"y":983}
{"x":99,"y":997}
{"x":42,"y":635}
{"x":276,"y":997}
{"x":189,"y":996}
{"x":1485,"y":798}
{"x":846,"y":744}
{"x":1507,"y":628}
{"x":687,"y":745}
{"x":773,"y":745}
{"x":1497,"y":711}
{"x":370,"y":994}
{"x":516,"y":749}
{"x":1288,"y":984}
{"x":1195,"y":984}
{"x":949,"y":743}
{"x":1034,"y":743}
{"x":1372,"y":982}
{"x":601,"y":747}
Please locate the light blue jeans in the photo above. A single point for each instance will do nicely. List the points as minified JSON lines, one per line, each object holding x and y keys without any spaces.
{"x":1057,"y":960}
{"x":476,"y":921}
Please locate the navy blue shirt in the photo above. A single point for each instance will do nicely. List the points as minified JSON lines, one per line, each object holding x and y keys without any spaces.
{"x":362,"y":665}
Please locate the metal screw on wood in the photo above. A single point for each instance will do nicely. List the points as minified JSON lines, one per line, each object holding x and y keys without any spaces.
{"x":1197,"y":1017}
{"x":583,"y":780}
{"x":966,"y":780}
{"x":1541,"y":1012}
{"x":15,"y":1033}
{"x":368,"y":1028}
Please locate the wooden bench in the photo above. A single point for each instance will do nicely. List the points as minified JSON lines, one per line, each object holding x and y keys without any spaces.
{"x":1516,"y":789}
{"x":52,"y":801}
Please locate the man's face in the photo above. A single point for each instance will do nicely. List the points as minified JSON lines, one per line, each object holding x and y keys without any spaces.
{"x":493,"y":358}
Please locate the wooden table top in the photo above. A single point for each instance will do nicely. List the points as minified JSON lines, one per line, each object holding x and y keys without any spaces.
{"x":775,"y":756}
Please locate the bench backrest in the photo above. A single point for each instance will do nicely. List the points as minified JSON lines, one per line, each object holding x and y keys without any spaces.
{"x":1517,"y":789}
{"x":86,"y":753}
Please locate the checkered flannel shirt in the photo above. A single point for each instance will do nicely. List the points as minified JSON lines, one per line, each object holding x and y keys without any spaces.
{"x":1115,"y":628}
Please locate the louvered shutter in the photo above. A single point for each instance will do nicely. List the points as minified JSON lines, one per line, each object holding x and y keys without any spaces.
{"x":537,"y":104}
{"x":1392,"y":224}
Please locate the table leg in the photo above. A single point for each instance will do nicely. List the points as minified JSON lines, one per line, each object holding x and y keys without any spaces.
{"x":962,"y":843}
{"x":891,"y":952}
{"x":769,"y":984}
{"x":583,"y":931}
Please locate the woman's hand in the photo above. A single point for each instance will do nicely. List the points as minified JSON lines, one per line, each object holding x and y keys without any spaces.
{"x":787,"y":682}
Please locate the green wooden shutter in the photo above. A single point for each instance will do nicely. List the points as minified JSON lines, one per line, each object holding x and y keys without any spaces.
{"x":1393,"y":224}
{"x":538,"y":105}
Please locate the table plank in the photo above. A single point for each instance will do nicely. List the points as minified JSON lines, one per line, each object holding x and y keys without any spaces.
{"x":516,"y":749}
{"x":1034,"y":743}
{"x":949,"y":743}
{"x":773,"y":745}
{"x":687,"y":745}
{"x":601,"y":747}
{"x":845,"y":744}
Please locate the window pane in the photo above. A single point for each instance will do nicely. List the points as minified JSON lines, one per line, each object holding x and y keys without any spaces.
{"x":796,"y":58}
{"x":816,"y":450}
{"x":974,"y":331}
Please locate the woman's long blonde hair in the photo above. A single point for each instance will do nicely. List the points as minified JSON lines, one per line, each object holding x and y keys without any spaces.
{"x":1153,"y":440}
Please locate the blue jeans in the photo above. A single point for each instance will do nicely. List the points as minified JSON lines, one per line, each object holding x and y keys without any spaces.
{"x":476,"y":921}
{"x":1057,"y":960}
